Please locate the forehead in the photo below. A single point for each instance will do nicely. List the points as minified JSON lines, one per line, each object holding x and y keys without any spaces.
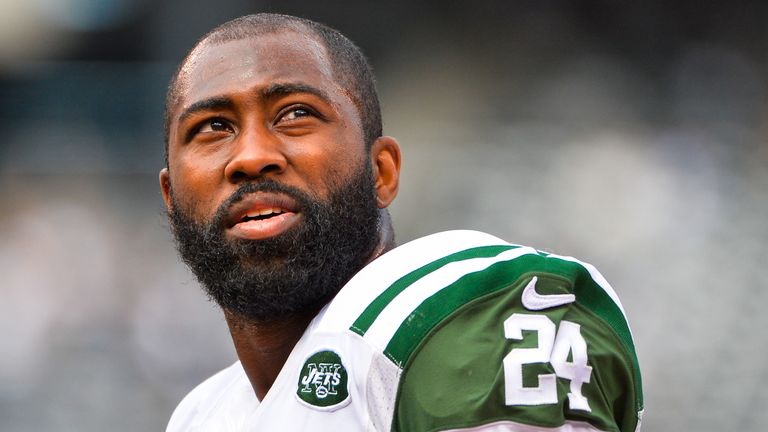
{"x":215,"y":69}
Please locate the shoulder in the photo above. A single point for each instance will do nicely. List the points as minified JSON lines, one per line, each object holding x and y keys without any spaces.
{"x":213,"y":394}
{"x":373,"y":284}
{"x":476,"y":330}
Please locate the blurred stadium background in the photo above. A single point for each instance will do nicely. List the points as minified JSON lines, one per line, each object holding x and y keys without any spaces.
{"x":629,"y":134}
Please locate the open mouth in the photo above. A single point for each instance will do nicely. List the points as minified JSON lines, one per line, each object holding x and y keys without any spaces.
{"x":262,"y":214}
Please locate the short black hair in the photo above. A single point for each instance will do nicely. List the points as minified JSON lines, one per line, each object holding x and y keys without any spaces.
{"x":351,"y":68}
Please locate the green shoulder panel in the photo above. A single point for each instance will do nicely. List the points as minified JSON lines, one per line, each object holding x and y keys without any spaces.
{"x":452,"y":350}
{"x":369,"y":315}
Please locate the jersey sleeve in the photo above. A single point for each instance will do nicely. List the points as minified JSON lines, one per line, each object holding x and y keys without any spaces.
{"x":532,"y":343}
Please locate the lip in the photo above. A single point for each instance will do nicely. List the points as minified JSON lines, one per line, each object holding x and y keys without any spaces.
{"x":255,"y":203}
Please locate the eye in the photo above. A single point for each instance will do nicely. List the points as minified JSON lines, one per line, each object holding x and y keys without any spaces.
{"x":215,"y":125}
{"x":213,"y":128}
{"x":295,"y":113}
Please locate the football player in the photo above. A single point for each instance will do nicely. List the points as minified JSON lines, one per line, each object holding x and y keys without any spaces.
{"x":277,"y":183}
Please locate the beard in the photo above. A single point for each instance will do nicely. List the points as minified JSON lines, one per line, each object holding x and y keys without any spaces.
{"x":297,"y":271}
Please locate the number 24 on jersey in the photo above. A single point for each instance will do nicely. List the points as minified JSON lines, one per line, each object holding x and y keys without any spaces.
{"x":554,"y":347}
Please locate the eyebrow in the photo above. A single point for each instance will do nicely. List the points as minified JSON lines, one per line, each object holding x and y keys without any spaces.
{"x":210,"y":104}
{"x":274,"y":91}
{"x":279,"y":90}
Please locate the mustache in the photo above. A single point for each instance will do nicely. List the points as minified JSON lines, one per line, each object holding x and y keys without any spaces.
{"x":303,"y":199}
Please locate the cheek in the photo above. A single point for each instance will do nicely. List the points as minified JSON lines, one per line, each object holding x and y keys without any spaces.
{"x":324,"y":168}
{"x":346,"y":151}
{"x":195,"y":187}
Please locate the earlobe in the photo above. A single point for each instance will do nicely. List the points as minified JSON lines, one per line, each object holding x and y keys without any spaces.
{"x":385,"y":157}
{"x":165,"y":188}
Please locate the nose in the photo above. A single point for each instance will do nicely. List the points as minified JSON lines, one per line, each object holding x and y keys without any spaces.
{"x":257,"y":154}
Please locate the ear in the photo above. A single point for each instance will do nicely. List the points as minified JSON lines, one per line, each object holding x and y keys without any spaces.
{"x":165,"y":188}
{"x":385,"y":157}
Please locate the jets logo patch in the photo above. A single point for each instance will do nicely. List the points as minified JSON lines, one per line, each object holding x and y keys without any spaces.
{"x":323,"y":382}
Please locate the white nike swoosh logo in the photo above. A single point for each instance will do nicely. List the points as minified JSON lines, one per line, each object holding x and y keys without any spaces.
{"x":535,"y":301}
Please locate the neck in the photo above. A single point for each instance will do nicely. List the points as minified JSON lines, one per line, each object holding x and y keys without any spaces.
{"x":263,"y":347}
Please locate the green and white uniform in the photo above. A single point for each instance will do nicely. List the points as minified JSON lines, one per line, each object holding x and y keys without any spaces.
{"x":457,"y":331}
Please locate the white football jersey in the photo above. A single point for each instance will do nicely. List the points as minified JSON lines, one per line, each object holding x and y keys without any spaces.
{"x":429,"y":337}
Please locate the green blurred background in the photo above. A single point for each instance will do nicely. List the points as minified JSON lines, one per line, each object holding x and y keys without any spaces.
{"x":629,"y":134}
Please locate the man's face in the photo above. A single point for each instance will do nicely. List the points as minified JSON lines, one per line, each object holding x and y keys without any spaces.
{"x":260,"y":107}
{"x":269,"y":185}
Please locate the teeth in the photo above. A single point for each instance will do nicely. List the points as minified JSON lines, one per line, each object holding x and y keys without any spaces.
{"x":264,"y":212}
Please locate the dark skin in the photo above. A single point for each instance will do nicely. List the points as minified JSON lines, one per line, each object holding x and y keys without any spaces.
{"x":268,"y":107}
